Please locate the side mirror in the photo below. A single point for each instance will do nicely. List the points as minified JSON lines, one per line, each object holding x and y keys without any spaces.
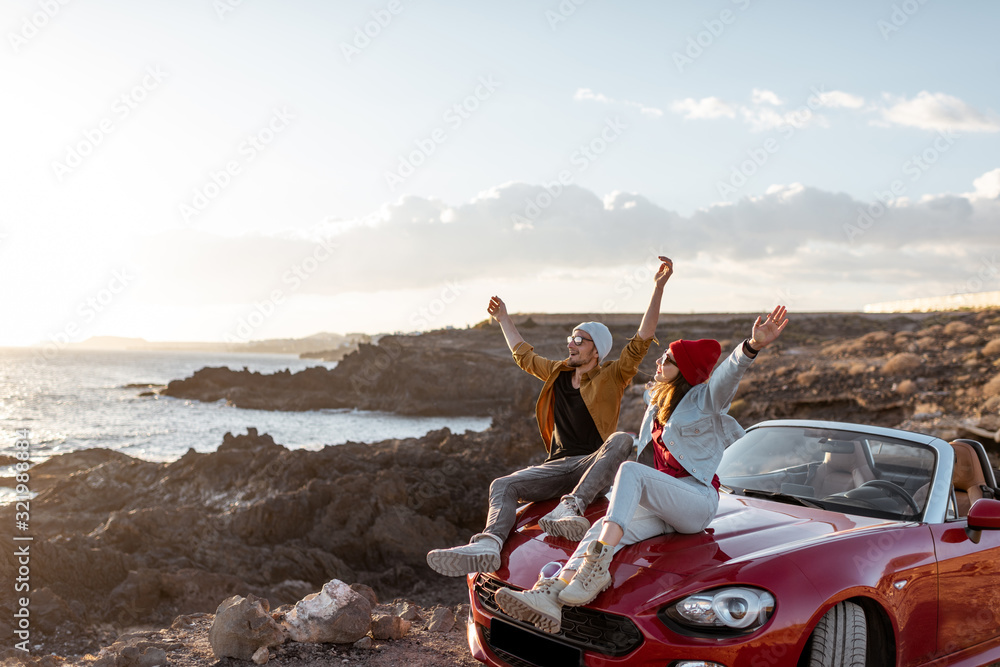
{"x":983,"y":515}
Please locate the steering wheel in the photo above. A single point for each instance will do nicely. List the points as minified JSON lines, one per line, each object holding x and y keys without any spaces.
{"x":896,"y":490}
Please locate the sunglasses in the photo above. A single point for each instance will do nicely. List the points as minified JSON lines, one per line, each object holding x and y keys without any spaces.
{"x":667,"y":360}
{"x":576,"y":340}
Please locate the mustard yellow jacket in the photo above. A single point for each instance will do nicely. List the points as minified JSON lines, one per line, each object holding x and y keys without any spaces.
{"x":602,"y":387}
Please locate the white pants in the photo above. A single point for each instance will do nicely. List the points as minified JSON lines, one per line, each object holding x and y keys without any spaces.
{"x":646,"y":502}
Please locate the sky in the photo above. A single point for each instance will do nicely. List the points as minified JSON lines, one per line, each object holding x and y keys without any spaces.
{"x":246,"y":169}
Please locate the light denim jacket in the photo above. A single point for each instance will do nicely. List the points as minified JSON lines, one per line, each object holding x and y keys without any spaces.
{"x":700,"y":429}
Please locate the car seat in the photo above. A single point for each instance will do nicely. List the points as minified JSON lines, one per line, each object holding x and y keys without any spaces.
{"x":840,"y":472}
{"x":968,"y":478}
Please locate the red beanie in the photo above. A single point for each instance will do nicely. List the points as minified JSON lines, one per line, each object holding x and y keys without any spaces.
{"x":696,"y":358}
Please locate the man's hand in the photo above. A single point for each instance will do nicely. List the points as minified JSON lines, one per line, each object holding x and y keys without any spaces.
{"x":766,"y":332}
{"x":665,"y":271}
{"x":497,"y":308}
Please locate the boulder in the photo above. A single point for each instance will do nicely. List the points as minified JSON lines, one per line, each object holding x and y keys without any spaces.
{"x":367,"y":592}
{"x":409,"y":611}
{"x":242,"y":626}
{"x":389,"y":626}
{"x":337,"y":615}
{"x":442,"y":620}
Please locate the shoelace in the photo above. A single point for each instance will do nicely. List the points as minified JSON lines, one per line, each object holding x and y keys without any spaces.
{"x":589,"y":571}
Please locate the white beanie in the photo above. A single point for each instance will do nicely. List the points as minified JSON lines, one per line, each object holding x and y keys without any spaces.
{"x":601,"y":336}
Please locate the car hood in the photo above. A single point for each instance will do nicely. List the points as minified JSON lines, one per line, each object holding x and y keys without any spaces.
{"x":745,"y":530}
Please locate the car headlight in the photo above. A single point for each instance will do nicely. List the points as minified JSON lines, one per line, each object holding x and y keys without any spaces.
{"x":724,"y":609}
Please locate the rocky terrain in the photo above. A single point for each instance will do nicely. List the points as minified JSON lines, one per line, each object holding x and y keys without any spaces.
{"x":922,"y":371}
{"x":124,"y":545}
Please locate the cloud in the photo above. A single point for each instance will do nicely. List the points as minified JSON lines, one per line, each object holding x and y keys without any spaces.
{"x":761,"y":119}
{"x":838,"y":99}
{"x":705,"y":108}
{"x":986,"y":186}
{"x":791,"y":233}
{"x":588,"y":95}
{"x":765,"y":97}
{"x":937,"y":111}
{"x":761,"y":115}
{"x":766,"y":111}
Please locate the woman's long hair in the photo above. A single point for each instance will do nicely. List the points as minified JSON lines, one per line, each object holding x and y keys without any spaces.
{"x":667,"y":395}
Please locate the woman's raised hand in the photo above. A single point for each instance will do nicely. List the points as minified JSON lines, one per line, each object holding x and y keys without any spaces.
{"x":766,"y":332}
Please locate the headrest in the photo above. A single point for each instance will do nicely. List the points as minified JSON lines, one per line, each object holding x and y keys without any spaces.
{"x":968,"y":471}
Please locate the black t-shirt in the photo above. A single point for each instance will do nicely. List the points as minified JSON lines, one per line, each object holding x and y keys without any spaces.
{"x":575,"y":433}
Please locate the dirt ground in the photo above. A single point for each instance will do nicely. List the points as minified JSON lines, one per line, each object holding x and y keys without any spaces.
{"x":185,"y":644}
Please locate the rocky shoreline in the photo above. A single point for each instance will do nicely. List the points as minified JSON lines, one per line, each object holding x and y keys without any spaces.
{"x":126,"y":542}
{"x":923,"y":371}
{"x":125,"y":545}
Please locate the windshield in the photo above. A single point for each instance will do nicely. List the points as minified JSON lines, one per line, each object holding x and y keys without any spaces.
{"x":844,"y":471}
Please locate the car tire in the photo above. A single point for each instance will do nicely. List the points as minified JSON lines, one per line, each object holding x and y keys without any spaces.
{"x":840,"y":638}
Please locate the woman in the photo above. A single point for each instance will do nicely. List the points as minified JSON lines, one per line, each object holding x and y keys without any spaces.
{"x":672,"y":487}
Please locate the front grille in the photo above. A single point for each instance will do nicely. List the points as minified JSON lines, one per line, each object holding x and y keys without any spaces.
{"x":585,"y":628}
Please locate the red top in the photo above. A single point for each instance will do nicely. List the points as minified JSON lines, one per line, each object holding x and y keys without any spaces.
{"x":664,"y":461}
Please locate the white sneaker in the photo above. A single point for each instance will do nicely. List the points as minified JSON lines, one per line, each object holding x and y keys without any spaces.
{"x":592,"y":577}
{"x":565,"y":520}
{"x":540,"y":606}
{"x":481,"y":554}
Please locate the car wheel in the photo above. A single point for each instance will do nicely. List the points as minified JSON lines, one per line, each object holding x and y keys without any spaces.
{"x":840,"y":638}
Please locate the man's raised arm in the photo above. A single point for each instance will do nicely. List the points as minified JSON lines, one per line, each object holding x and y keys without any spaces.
{"x":649,"y":320}
{"x":498,"y":310}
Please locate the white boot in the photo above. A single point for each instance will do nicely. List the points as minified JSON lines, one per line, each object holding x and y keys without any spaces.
{"x":592,"y":577}
{"x":481,"y":554}
{"x":566,"y":520}
{"x":540,"y":606}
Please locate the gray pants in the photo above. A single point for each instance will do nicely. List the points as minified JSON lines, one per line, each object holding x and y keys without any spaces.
{"x":647,"y":503}
{"x":583,"y":477}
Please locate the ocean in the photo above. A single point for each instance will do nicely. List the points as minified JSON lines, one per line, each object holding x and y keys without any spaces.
{"x":80,"y":399}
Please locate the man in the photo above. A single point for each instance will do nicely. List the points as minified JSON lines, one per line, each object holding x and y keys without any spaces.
{"x":577,"y":413}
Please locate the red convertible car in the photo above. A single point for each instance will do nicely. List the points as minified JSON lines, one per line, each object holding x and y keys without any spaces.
{"x":834,"y":544}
